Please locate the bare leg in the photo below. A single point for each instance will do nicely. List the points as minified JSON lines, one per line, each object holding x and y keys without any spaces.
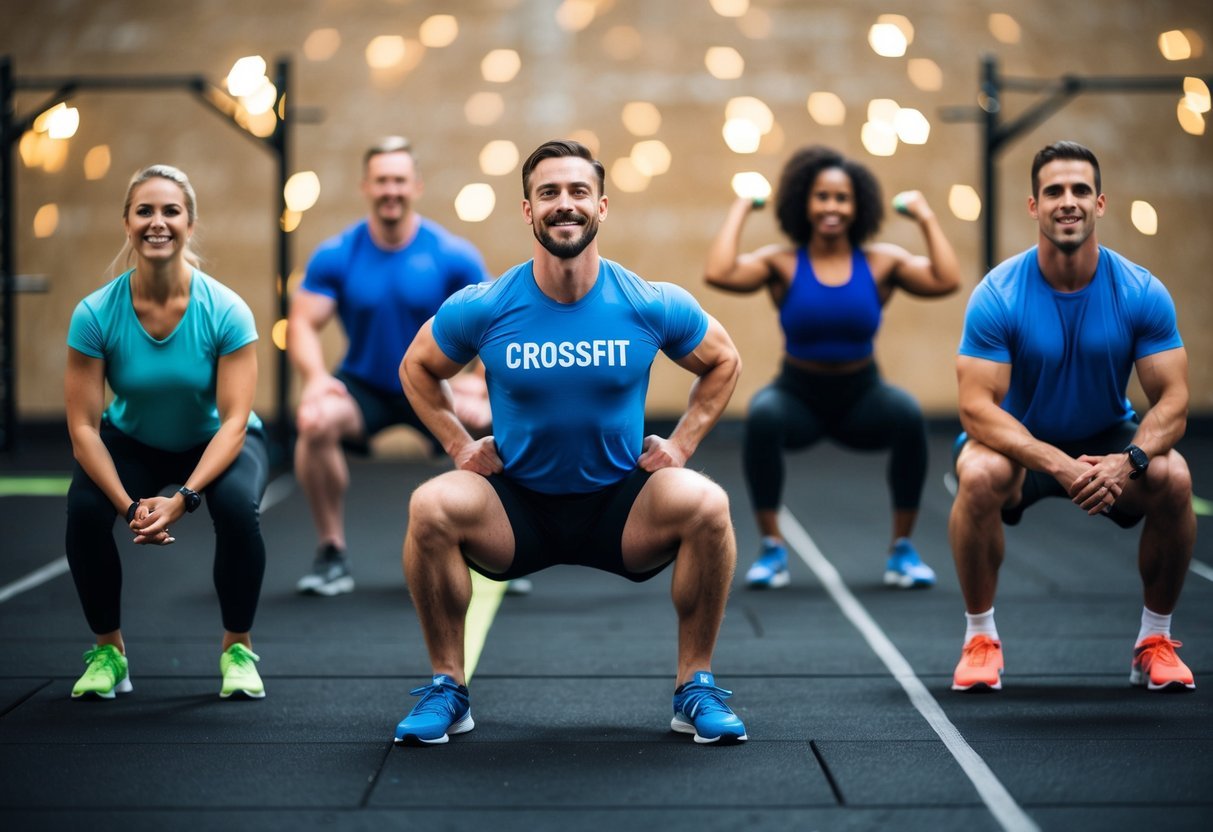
{"x":454,"y":513}
{"x":1169,"y":534}
{"x":986,"y":481}
{"x":685,"y":509}
{"x":230,"y":638}
{"x":903,"y":522}
{"x":113,"y":638}
{"x":768,"y":523}
{"x":320,"y":464}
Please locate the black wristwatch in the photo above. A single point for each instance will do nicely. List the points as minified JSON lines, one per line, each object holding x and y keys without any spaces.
{"x":192,"y":500}
{"x":1138,"y":459}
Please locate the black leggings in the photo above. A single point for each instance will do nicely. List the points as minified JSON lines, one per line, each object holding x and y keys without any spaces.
{"x":234,"y":503}
{"x":857,"y":410}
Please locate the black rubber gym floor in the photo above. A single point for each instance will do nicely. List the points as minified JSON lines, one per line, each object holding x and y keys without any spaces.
{"x":843,"y":684}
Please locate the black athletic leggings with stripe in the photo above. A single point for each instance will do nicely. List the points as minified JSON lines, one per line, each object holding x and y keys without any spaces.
{"x":857,"y":410}
{"x":234,"y":503}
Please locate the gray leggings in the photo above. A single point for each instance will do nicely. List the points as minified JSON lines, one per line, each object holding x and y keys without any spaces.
{"x":857,"y":410}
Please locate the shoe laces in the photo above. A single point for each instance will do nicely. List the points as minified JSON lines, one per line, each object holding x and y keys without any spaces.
{"x":435,"y":699}
{"x":103,"y":657}
{"x":699,"y":699}
{"x":241,"y":657}
{"x":979,"y":648}
{"x":1160,"y":649}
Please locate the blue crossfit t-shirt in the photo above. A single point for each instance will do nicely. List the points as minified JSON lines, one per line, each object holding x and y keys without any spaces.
{"x":383,"y":297}
{"x":567,"y":382}
{"x":164,"y":390}
{"x":1070,"y":352}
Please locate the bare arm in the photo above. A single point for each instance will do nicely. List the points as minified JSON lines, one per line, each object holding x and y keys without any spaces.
{"x":936,"y":274}
{"x":726,"y":268}
{"x":310,"y":313}
{"x":1164,"y":378}
{"x":982,"y":386}
{"x":423,"y":374}
{"x":718,"y":365}
{"x":84,"y":399}
{"x":235,"y":385}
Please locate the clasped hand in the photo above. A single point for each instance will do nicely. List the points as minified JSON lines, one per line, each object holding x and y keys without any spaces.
{"x":1099,"y":484}
{"x":152,"y":519}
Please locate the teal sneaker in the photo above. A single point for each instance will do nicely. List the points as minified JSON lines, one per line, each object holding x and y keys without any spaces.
{"x":108,"y":673}
{"x":239,"y":669}
{"x":699,"y":709}
{"x":770,"y":571}
{"x":905,"y":568}
{"x":444,"y":709}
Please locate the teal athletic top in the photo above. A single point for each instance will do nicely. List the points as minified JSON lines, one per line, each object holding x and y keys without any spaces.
{"x":164,"y":390}
{"x":1070,"y":352}
{"x":567,"y":381}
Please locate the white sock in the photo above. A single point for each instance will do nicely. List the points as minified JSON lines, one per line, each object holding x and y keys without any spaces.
{"x":1153,"y":624}
{"x":772,"y":541}
{"x":980,"y":624}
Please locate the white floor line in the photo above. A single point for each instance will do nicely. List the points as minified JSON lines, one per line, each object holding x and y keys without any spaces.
{"x":39,"y":576}
{"x":991,"y":790}
{"x":1201,"y":568}
{"x":277,"y":491}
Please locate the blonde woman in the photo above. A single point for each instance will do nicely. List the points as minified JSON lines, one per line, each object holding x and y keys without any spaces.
{"x":176,"y":347}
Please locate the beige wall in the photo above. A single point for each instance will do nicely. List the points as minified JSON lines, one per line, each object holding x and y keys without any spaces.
{"x":570,"y":82}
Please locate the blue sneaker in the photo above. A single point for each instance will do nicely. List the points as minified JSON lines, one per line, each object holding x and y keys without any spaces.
{"x":699,"y":709}
{"x":905,"y":568}
{"x":442,"y":711}
{"x":770,"y":571}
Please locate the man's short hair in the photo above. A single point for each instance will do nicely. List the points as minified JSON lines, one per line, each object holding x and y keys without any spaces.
{"x":388,"y":144}
{"x":1063,"y":150}
{"x":554,"y":150}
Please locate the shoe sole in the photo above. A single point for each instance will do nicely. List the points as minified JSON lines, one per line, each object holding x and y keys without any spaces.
{"x":979,"y":687}
{"x":777,"y":581}
{"x":242,"y":694}
{"x":124,"y":686}
{"x":1138,"y":678}
{"x":337,"y":587}
{"x":684,"y":727}
{"x":906,"y":582}
{"x":461,"y":727}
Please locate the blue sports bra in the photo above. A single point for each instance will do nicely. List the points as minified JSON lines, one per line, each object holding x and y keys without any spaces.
{"x":830,"y":323}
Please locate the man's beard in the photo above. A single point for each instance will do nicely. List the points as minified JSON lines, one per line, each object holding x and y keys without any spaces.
{"x":566,"y":250}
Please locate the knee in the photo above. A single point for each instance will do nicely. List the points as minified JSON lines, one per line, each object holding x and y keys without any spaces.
{"x":765,"y":417}
{"x":315,"y":425}
{"x":435,"y":508}
{"x":1169,"y":478}
{"x":709,"y":504}
{"x":234,"y":512}
{"x":985,"y":479}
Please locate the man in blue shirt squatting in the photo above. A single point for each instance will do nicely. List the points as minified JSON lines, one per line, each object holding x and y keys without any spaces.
{"x":1050,"y":337}
{"x":567,"y":340}
{"x":383,"y":277}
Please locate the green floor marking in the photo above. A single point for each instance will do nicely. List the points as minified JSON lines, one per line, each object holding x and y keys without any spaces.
{"x":486,"y":598}
{"x":38,"y":486}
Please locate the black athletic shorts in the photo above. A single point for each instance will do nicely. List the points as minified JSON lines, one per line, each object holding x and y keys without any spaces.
{"x":1038,"y":485}
{"x":381,"y":410}
{"x":577,"y":529}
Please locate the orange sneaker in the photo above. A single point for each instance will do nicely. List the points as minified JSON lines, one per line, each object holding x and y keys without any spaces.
{"x":1157,"y":666}
{"x":980,"y":665}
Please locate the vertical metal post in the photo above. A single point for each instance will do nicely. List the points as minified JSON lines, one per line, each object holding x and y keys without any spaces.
{"x":282,"y":147}
{"x":8,"y":256}
{"x":991,"y":106}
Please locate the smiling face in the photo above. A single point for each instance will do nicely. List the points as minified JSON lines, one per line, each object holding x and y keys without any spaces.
{"x":1067,"y":204}
{"x":391,"y":185}
{"x":157,"y":220}
{"x":831,"y":208}
{"x":563,"y":207}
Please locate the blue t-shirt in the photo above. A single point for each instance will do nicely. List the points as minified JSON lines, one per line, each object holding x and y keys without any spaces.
{"x":384,"y":297}
{"x":567,"y":382}
{"x":164,"y":390}
{"x":1070,"y":352}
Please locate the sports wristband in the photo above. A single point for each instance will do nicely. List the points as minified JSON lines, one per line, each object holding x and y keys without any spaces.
{"x":130,"y":511}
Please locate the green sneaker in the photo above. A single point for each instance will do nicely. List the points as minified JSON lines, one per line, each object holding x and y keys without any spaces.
{"x":239,"y":669}
{"x":107,"y":674}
